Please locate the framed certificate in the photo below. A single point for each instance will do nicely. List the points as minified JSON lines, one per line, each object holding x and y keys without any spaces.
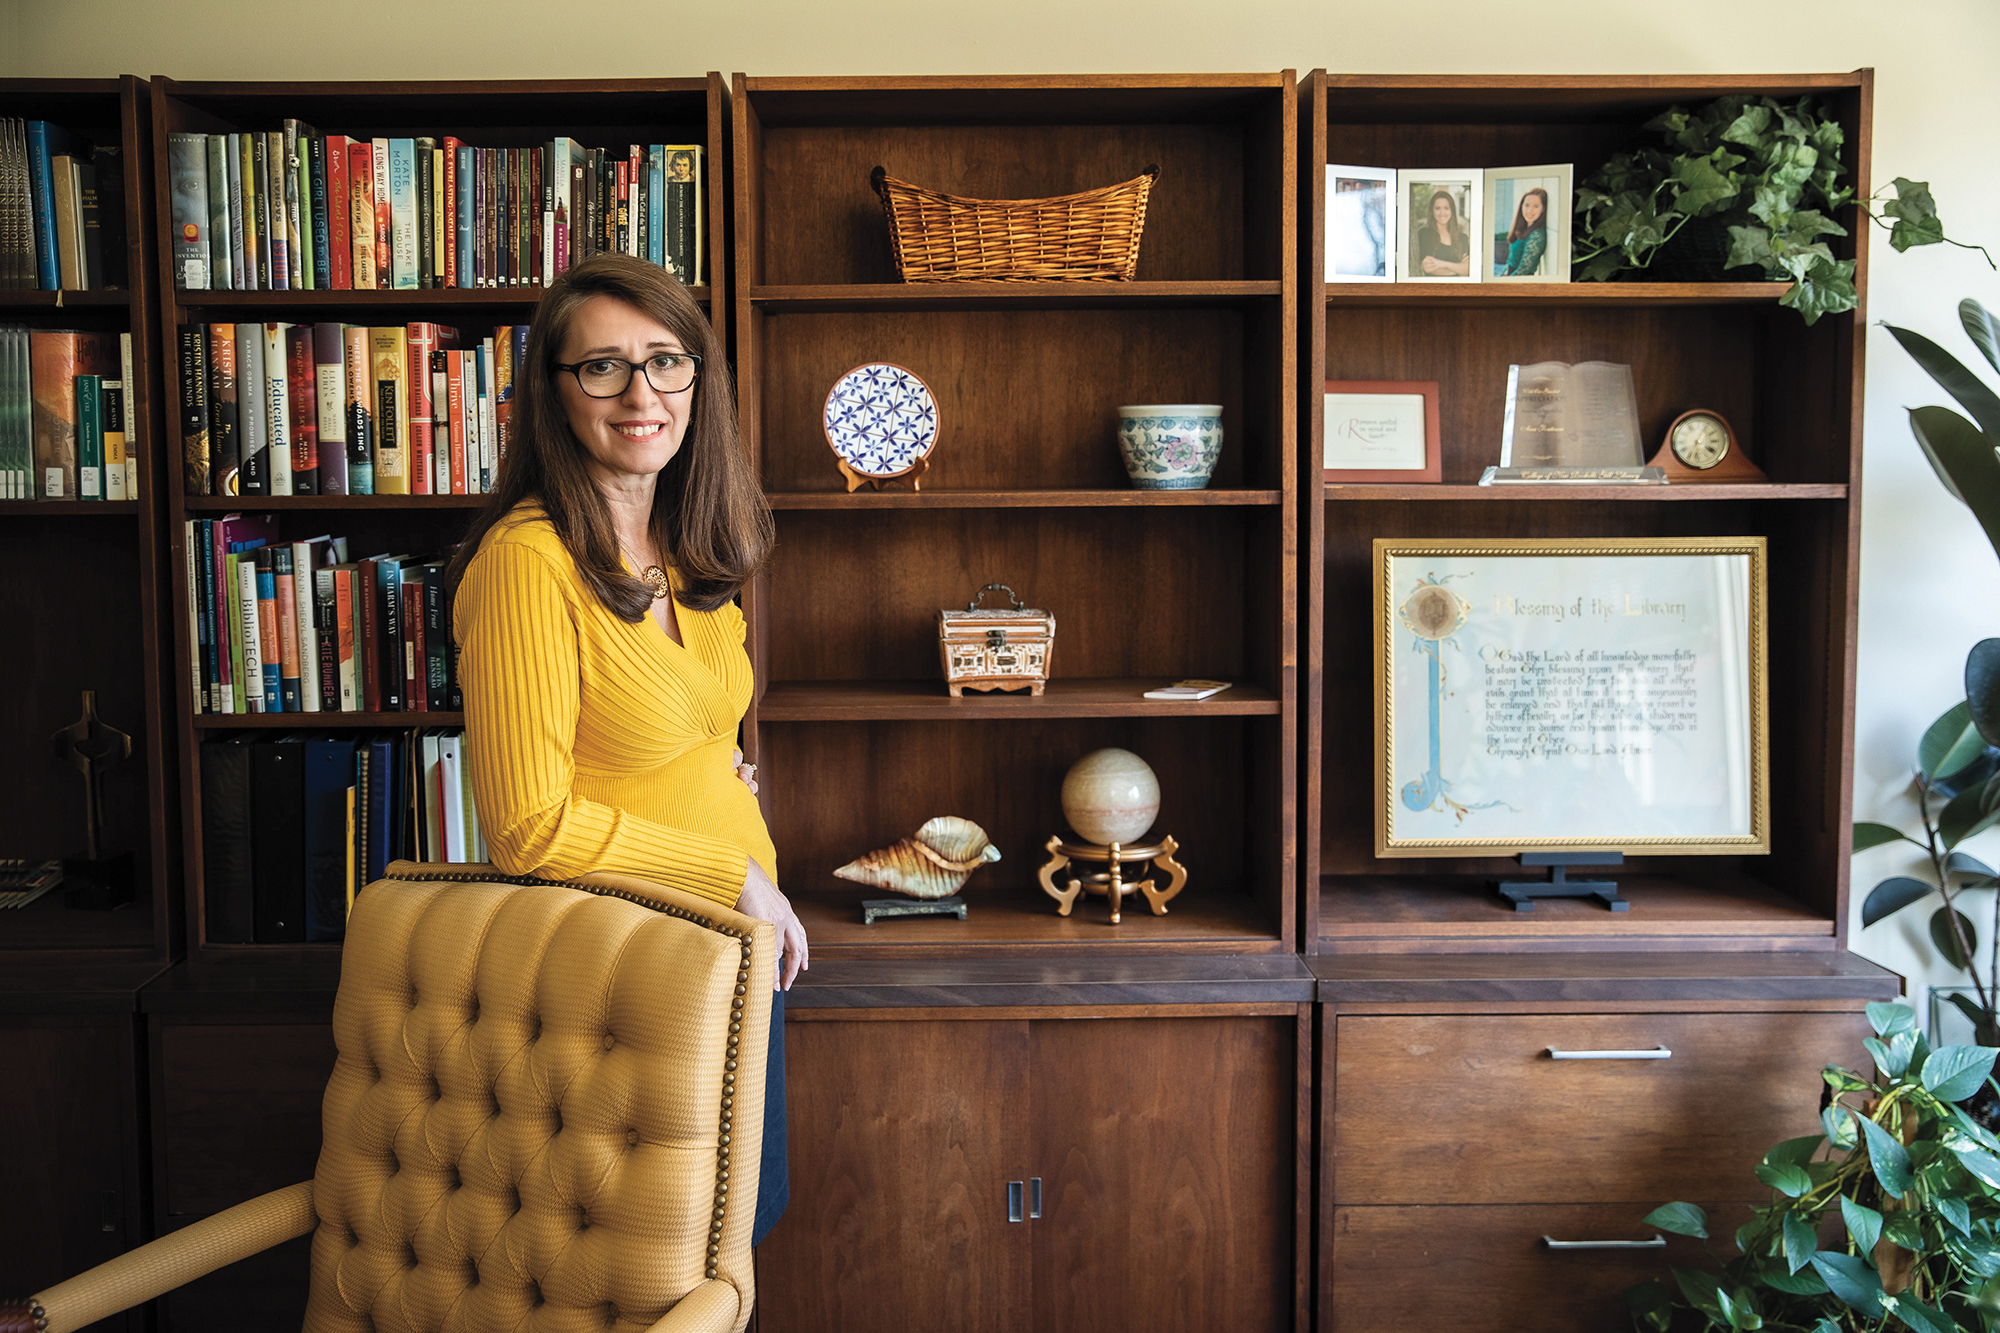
{"x":1570,"y":694}
{"x":1381,"y":430}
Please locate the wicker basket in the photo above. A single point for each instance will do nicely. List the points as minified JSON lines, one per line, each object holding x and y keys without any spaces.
{"x":1092,"y":236}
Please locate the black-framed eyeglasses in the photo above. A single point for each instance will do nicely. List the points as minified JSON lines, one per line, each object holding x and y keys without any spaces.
{"x":610,"y":376}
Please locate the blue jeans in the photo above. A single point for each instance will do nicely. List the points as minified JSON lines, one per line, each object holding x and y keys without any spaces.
{"x":774,"y":1182}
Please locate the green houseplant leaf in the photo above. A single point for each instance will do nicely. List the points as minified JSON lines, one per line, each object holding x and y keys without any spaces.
{"x":1853,"y":1280}
{"x":1683,"y":1219}
{"x":1954,"y":1073}
{"x":1864,"y":1224}
{"x":1947,"y":943}
{"x":1951,"y":743}
{"x":1889,"y":1018}
{"x":1982,"y":329}
{"x":1868,"y":835}
{"x":1790,"y":1181}
{"x":1801,"y":1242}
{"x":1953,"y":377}
{"x":1982,"y":687}
{"x":1890,"y":1161}
{"x":1892,"y":896}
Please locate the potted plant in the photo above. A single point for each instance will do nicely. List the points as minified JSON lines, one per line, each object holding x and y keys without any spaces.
{"x":1887,"y":1219}
{"x":1743,"y":182}
{"x":1958,"y":765}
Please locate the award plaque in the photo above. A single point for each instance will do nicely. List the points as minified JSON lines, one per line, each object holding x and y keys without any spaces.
{"x":1569,"y":423}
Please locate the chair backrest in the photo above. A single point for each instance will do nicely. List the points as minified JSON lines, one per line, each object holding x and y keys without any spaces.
{"x":534,"y":1119}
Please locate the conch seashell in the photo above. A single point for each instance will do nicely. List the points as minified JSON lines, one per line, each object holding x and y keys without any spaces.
{"x":933,"y":864}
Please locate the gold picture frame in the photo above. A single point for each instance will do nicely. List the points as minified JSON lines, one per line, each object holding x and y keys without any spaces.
{"x":1587,"y":700}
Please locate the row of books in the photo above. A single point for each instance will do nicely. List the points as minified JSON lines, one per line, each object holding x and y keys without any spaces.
{"x":295,"y":825}
{"x":64,"y":397}
{"x":300,"y":627}
{"x":62,"y":210}
{"x":291,"y":209}
{"x":343,"y":409}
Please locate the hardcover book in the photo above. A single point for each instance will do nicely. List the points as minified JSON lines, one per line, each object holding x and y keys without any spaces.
{"x":330,"y":401}
{"x":379,"y":159}
{"x":389,"y":359}
{"x":424,"y":148}
{"x":222,"y":256}
{"x":89,"y":437}
{"x":280,"y":183}
{"x":224,"y":442}
{"x":278,"y":408}
{"x":339,"y":217}
{"x":357,"y":363}
{"x":321,"y":219}
{"x":252,"y":412}
{"x":241,"y":278}
{"x":115,"y":487}
{"x":403,"y":213}
{"x":302,"y":408}
{"x":195,"y":458}
{"x":361,"y":214}
{"x":187,"y":178}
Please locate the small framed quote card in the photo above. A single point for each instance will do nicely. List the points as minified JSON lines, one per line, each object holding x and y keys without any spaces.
{"x":1570,"y":694}
{"x":1381,"y":430}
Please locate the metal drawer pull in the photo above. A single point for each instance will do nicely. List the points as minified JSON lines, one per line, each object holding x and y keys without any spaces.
{"x":1658,"y":1242}
{"x":1657,"y":1053}
{"x":1014,"y":1201}
{"x":1034,"y":1198}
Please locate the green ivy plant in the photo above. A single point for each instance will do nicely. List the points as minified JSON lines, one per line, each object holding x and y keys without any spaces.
{"x":1958,"y":761}
{"x":1888,"y":1219}
{"x":1770,"y":173}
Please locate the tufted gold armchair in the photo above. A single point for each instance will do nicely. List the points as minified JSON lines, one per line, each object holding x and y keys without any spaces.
{"x":529,"y":1126}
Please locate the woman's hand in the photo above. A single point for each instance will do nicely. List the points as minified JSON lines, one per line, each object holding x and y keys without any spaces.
{"x":746,"y":773}
{"x":1432,"y":266}
{"x":761,"y":899}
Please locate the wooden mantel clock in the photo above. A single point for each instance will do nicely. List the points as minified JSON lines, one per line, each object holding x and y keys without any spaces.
{"x":1701,"y":447}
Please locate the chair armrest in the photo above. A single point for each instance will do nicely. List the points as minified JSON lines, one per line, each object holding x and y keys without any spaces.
{"x":161,"y":1265}
{"x":713,"y":1307}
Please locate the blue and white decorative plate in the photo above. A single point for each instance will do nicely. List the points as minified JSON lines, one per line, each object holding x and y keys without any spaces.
{"x":881,"y":420}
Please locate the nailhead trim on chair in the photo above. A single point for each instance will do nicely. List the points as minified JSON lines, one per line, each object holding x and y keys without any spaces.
{"x":735,"y":1021}
{"x":13,"y":1313}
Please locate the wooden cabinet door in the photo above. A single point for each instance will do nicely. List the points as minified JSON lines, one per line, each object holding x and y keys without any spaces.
{"x":1165,"y":1148}
{"x":67,"y":1139}
{"x":903,"y":1138}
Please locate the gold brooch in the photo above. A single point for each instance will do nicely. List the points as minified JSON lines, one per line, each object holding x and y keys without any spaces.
{"x":656,"y":578}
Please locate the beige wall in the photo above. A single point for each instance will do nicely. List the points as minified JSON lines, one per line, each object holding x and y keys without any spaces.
{"x":1930,"y":585}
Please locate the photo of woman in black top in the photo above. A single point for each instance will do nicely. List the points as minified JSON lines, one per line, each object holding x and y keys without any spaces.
{"x":1439,"y":246}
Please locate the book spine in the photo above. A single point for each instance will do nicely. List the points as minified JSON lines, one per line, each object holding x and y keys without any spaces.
{"x":297,"y":263}
{"x":361,"y":219}
{"x":339,"y":218}
{"x":42,"y":202}
{"x":656,"y":212}
{"x":384,"y":267}
{"x":202,"y":683}
{"x":420,"y":340}
{"x":489,"y":427}
{"x":277,"y":170}
{"x":454,"y":387}
{"x":416,"y":696}
{"x":322,"y":215}
{"x":245,"y":201}
{"x":434,"y":637}
{"x":326,"y":630}
{"x":133,"y":434}
{"x":368,"y":655}
{"x":225,"y":443}
{"x":531,"y":167}
{"x":403,"y":213}
{"x":503,"y":389}
{"x":425,"y":201}
{"x":455,"y":212}
{"x":222,"y":271}
{"x":303,"y":602}
{"x":390,"y":359}
{"x":357,"y":370}
{"x":195,"y":458}
{"x":284,"y":609}
{"x":254,"y":448}
{"x":270,"y":648}
{"x":187,"y":178}
{"x":330,"y":407}
{"x":89,"y":437}
{"x":252,"y":641}
{"x":114,"y":441}
{"x":440,"y":471}
{"x":442,"y":218}
{"x":503,"y":231}
{"x":278,"y":408}
{"x":344,"y":637}
{"x":389,"y":619}
{"x":302,"y":408}
{"x":241,"y":278}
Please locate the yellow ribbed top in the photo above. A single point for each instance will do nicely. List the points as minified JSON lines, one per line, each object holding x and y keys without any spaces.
{"x":598,"y":745}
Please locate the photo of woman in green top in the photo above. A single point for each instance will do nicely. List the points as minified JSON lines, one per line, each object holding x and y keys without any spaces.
{"x":1528,"y":239}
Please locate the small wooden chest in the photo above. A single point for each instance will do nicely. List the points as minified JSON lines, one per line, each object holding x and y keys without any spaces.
{"x":1004,"y":649}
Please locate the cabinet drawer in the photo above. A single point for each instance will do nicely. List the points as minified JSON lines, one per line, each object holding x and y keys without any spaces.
{"x":1422,"y":1269}
{"x":1472,"y":1109}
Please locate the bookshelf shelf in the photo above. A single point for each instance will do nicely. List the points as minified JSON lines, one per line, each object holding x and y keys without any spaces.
{"x":361,"y":302}
{"x":1027,"y":499}
{"x":1558,"y":493}
{"x":1555,"y":295}
{"x":307,"y":721}
{"x":67,"y":508}
{"x":928,"y":701}
{"x":217,"y":504}
{"x":39,"y":300}
{"x":828,"y":297}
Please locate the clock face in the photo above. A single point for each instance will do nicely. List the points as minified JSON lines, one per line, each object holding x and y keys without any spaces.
{"x":1700,"y":441}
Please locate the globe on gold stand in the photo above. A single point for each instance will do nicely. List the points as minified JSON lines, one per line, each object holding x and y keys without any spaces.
{"x":1110,"y":798}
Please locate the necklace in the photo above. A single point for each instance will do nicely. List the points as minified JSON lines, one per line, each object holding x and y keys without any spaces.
{"x":656,"y":578}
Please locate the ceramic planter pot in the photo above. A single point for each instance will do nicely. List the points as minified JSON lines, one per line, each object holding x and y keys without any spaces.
{"x":1170,"y":446}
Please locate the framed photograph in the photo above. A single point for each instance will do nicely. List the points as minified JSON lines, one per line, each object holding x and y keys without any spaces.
{"x":1527,"y":235}
{"x":1381,"y":430}
{"x":1439,"y":240}
{"x":1570,"y":694}
{"x":1360,"y":224}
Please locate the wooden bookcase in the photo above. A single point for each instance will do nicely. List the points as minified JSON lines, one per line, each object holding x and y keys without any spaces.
{"x":488,"y":114}
{"x":83,"y":596}
{"x":1794,"y":394}
{"x":857,"y":741}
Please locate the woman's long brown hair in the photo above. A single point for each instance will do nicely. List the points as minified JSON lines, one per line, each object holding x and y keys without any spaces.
{"x":709,"y":517}
{"x":1521,"y":227}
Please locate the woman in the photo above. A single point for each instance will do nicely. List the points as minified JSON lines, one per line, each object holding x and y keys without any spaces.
{"x":1442,"y":250}
{"x":1528,"y":242}
{"x":601,"y":657}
